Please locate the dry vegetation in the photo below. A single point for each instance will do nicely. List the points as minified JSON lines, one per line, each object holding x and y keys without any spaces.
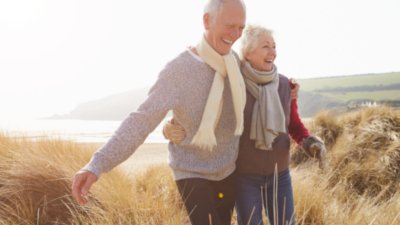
{"x":35,"y":180}
{"x":359,"y":185}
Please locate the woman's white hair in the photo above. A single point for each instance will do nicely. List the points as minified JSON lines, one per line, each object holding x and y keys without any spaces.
{"x":250,"y":37}
{"x":212,"y":7}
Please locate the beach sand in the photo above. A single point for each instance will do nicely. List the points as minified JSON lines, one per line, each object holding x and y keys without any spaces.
{"x":146,"y":155}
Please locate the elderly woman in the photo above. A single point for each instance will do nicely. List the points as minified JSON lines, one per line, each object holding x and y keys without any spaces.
{"x":270,"y":116}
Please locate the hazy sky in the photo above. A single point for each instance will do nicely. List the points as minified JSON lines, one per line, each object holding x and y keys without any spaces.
{"x":55,"y":54}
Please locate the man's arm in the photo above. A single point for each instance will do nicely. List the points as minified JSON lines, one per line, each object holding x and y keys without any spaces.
{"x":129,"y":136}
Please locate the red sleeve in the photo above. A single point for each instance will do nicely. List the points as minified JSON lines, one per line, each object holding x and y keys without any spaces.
{"x":297,"y":131}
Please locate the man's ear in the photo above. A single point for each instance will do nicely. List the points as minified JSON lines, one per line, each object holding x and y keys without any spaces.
{"x":206,"y":20}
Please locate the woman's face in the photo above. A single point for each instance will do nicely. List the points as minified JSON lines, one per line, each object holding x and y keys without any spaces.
{"x":264,"y":53}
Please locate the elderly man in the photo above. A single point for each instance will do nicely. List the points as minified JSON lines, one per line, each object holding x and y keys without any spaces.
{"x":205,"y":90}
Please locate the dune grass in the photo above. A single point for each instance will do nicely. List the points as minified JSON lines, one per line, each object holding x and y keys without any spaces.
{"x":358,"y":186}
{"x":35,"y":180}
{"x":361,"y":181}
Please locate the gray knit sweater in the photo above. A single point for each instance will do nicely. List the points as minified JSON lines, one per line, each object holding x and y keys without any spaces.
{"x":183,"y":87}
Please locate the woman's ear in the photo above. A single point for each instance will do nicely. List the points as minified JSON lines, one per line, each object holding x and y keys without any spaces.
{"x":246,"y":56}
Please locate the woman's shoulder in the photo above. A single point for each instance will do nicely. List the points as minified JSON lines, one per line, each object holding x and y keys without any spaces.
{"x":284,"y":78}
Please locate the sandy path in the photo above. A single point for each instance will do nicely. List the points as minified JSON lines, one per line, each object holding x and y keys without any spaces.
{"x":145,"y":156}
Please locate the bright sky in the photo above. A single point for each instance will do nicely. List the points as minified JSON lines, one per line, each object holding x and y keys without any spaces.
{"x":55,"y":54}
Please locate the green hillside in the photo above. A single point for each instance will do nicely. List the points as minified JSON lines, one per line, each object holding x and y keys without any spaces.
{"x":343,"y":93}
{"x":392,"y":95}
{"x":377,"y":87}
{"x":349,"y":81}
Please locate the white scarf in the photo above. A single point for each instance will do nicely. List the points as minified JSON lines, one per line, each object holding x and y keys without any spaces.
{"x":268,"y":119}
{"x":223,"y":65}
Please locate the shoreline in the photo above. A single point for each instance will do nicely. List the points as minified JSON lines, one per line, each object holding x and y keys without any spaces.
{"x":146,"y":155}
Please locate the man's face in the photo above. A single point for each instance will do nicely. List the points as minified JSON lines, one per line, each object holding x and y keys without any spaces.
{"x":225,"y":27}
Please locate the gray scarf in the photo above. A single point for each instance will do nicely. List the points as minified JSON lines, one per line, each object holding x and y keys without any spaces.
{"x":268,"y":119}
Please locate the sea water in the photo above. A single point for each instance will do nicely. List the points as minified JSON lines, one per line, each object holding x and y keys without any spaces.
{"x":86,"y":131}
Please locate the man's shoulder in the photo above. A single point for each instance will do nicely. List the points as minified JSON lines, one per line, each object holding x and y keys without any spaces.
{"x":182,"y":60}
{"x":181,"y":57}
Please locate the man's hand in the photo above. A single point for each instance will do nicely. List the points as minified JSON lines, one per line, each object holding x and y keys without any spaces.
{"x":295,"y":87}
{"x":174,"y":132}
{"x":81,"y":184}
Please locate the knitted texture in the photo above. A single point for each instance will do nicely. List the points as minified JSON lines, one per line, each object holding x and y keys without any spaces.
{"x":183,"y":87}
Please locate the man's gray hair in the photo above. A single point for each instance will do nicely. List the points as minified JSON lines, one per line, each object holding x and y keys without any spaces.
{"x":213,"y":6}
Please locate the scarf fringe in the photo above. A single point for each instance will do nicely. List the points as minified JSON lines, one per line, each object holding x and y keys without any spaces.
{"x":205,"y":140}
{"x":224,"y":66}
{"x":239,"y":130}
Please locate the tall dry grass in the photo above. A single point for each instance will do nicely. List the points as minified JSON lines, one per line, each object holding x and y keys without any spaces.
{"x":361,"y":183}
{"x":35,"y":180}
{"x":358,"y":186}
